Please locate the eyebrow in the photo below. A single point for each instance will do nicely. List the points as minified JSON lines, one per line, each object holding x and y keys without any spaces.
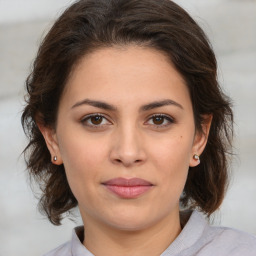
{"x":107,"y":106}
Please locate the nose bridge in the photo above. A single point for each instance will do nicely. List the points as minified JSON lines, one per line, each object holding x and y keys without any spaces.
{"x":129,"y":137}
{"x":128,"y":146}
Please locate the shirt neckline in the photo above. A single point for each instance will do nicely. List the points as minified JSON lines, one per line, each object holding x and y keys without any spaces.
{"x":187,"y":237}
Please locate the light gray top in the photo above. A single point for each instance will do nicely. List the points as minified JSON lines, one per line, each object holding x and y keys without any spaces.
{"x":197,"y":238}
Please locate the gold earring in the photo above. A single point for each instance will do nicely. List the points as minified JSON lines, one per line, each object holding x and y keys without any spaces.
{"x":196,"y":157}
{"x":55,"y":158}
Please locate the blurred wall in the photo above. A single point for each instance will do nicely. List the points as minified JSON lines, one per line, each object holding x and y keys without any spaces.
{"x":230,"y":24}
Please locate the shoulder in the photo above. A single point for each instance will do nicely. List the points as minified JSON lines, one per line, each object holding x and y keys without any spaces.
{"x":203,"y":239}
{"x":217,"y":240}
{"x":231,"y":241}
{"x":64,"y":249}
{"x":73,"y":247}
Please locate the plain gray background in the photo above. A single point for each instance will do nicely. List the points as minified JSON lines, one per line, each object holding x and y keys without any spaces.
{"x":230,"y":24}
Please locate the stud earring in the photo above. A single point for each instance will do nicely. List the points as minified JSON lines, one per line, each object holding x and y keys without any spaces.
{"x":196,"y":157}
{"x":55,"y":158}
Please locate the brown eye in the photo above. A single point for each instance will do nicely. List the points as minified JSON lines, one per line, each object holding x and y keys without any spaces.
{"x":158,"y":120}
{"x":96,"y":120}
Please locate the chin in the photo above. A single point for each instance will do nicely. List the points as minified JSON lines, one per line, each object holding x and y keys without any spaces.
{"x":130,"y":221}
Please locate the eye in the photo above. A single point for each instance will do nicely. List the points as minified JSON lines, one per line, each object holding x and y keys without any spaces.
{"x":95,"y":121}
{"x":160,"y":120}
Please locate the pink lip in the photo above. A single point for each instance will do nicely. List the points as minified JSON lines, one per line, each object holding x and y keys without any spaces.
{"x":128,"y":188}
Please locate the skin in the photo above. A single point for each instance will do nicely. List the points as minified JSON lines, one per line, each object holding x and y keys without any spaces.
{"x":126,"y":143}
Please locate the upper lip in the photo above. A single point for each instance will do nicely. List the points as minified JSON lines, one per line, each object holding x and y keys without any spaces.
{"x":124,"y":182}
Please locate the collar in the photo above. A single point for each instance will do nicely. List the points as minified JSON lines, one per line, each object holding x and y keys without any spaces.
{"x":189,"y":235}
{"x":77,"y":247}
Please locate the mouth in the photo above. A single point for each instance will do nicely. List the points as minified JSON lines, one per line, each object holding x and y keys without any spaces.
{"x":128,"y":188}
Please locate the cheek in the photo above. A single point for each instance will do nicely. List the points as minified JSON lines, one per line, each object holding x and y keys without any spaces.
{"x":173,"y":150}
{"x":171,"y":158}
{"x":82,"y":159}
{"x":81,"y":152}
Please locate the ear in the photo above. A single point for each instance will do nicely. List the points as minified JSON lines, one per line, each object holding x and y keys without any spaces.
{"x":200,"y":141}
{"x":51,"y":141}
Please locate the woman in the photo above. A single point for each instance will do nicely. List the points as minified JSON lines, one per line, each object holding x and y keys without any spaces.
{"x":126,"y":120}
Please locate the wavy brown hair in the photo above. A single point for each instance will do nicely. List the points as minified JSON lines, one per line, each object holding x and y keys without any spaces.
{"x":88,"y":25}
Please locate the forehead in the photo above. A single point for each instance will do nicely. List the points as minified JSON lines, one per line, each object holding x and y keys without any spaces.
{"x":128,"y":74}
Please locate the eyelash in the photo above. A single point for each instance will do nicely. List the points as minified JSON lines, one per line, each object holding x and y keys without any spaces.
{"x":166,"y":118}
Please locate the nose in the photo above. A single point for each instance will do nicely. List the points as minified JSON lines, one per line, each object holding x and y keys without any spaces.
{"x":127,"y":147}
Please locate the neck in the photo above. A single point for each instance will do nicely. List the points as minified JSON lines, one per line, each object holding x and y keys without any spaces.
{"x":102,"y":239}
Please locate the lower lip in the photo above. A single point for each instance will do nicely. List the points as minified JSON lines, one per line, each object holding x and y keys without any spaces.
{"x":128,"y":192}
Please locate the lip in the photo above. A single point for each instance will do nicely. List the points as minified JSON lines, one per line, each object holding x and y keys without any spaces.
{"x":128,"y":188}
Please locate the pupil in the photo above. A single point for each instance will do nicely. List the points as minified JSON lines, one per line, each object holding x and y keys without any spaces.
{"x":158,"y":120}
{"x":96,"y":119}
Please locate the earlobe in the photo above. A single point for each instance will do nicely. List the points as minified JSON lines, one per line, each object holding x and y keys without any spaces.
{"x":51,"y":141}
{"x":200,"y":141}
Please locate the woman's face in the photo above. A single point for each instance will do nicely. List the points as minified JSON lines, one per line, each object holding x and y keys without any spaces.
{"x":126,"y":136}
